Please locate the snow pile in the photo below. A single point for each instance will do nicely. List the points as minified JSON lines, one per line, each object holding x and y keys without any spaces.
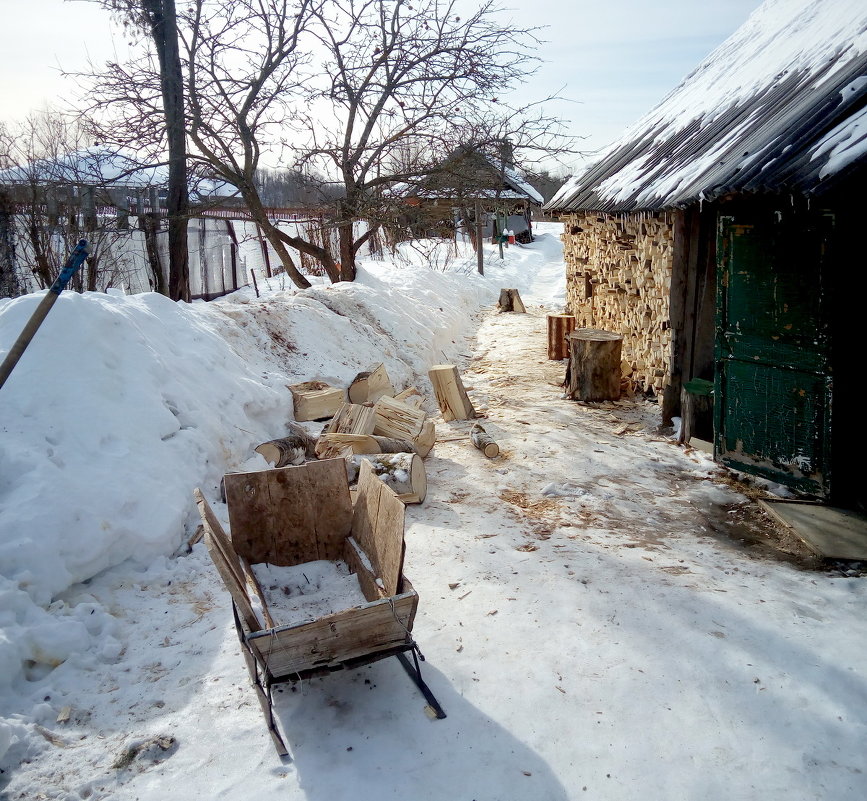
{"x":123,"y":404}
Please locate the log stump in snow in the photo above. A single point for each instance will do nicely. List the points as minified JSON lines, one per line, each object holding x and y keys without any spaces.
{"x":593,"y":370}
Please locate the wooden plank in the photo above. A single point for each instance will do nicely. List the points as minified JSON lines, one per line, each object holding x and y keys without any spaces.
{"x":290,"y":515}
{"x":378,"y":526}
{"x":360,"y":564}
{"x":226,"y":561}
{"x":388,"y":539}
{"x":337,"y":638}
{"x":369,"y":490}
{"x":328,"y":494}
{"x":829,"y":532}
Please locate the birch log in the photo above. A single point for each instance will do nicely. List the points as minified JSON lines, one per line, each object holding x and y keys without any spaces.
{"x":331,"y":445}
{"x":484,"y":441}
{"x":403,"y":472}
{"x":285,"y":451}
{"x":451,"y":396}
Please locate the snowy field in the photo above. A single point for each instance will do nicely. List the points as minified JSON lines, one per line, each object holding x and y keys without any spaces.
{"x":593,"y":626}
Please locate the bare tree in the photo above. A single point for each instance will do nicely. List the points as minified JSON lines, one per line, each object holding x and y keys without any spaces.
{"x":348,"y":86}
{"x":407,"y":82}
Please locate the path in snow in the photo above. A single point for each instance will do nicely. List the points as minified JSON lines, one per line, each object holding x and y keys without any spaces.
{"x":590,"y":627}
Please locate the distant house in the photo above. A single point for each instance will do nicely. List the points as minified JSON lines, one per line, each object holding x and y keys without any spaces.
{"x":467,"y":182}
{"x":722,"y":235}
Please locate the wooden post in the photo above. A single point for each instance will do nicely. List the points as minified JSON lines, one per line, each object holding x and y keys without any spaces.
{"x":593,"y":371}
{"x":558,"y":326}
{"x":480,"y":252}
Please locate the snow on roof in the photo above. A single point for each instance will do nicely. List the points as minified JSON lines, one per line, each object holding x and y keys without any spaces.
{"x":103,"y":166}
{"x":775,"y":107}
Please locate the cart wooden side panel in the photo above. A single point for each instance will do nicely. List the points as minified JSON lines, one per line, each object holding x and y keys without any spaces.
{"x":329,"y":641}
{"x":290,"y":515}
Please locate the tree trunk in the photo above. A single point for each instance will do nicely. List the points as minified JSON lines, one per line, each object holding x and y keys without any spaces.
{"x":150,"y":227}
{"x":347,"y":251}
{"x":593,"y":371}
{"x":164,"y":30}
{"x":10,"y":286}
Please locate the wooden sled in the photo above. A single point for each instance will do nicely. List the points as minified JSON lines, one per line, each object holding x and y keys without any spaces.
{"x":291,"y":515}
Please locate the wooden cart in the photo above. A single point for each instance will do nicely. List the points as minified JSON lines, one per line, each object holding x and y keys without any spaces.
{"x":293,"y":515}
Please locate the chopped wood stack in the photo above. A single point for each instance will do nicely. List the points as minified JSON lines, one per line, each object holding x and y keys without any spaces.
{"x":618,"y":278}
{"x":394,"y":432}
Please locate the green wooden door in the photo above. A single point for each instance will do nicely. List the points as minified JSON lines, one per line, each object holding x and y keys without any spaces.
{"x":772,"y":391}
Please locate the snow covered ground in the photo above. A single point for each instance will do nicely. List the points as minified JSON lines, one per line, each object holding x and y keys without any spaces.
{"x":592,"y":624}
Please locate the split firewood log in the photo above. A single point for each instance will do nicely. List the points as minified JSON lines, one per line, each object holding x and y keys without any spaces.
{"x":370,"y":386}
{"x":397,"y":419}
{"x":426,"y":439}
{"x":352,"y":418}
{"x":483,"y":441}
{"x":450,"y":393}
{"x":315,"y":400}
{"x":403,"y":472}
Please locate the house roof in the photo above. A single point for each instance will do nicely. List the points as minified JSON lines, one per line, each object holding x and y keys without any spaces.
{"x":103,"y":166}
{"x":511,"y":185}
{"x":780,"y":106}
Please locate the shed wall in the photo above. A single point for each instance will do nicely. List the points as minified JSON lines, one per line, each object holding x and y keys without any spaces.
{"x":618,"y":278}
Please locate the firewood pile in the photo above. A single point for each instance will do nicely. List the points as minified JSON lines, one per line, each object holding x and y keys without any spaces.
{"x":618,"y":278}
{"x":369,"y":422}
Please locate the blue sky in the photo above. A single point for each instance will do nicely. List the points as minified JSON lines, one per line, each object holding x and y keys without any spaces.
{"x":616,"y":59}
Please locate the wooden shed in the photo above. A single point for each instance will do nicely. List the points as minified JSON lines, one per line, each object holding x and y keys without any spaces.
{"x":721,"y":237}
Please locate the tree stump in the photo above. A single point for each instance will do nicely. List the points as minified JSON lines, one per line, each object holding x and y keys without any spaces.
{"x":510,"y":301}
{"x":558,"y":326}
{"x":593,"y":370}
